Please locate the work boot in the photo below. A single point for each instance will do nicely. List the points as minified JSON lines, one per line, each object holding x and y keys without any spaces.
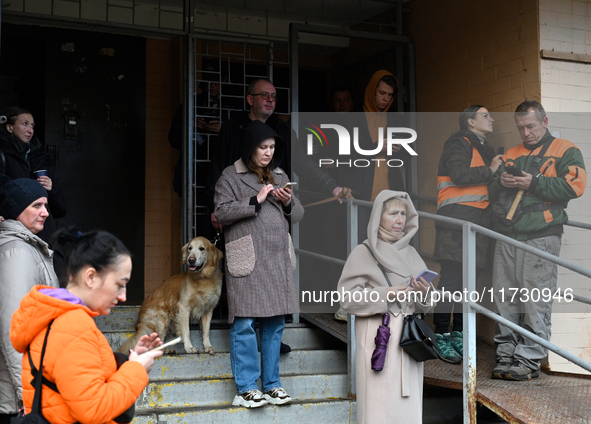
{"x":445,"y":350}
{"x":457,"y":342}
{"x":520,"y":372}
{"x":499,"y":371}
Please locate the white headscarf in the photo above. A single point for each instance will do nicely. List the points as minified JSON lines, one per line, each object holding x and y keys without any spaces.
{"x":398,"y":257}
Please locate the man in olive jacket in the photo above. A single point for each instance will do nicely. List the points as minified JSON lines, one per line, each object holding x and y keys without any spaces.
{"x":558,"y":177}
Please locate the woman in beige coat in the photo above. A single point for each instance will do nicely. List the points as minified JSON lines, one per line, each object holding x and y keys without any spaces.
{"x":394,"y":394}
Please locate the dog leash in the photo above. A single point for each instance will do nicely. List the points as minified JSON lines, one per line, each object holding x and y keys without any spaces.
{"x":344,"y":194}
{"x":217,"y":239}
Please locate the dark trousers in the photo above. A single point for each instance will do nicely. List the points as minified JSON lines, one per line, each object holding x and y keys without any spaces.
{"x":451,"y":281}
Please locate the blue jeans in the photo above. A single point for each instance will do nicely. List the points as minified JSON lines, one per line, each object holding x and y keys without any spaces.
{"x":244,"y":353}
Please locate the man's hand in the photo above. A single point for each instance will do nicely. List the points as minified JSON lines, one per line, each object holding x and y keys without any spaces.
{"x":521,"y":183}
{"x":343,"y":193}
{"x":216,"y":224}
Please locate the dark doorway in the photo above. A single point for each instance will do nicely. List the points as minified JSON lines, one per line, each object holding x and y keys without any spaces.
{"x":98,"y":81}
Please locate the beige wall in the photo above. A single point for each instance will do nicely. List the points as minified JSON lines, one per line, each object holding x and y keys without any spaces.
{"x":565,"y":28}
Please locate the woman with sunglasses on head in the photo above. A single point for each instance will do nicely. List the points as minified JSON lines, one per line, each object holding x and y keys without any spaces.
{"x":22,"y":154}
{"x":89,"y":386}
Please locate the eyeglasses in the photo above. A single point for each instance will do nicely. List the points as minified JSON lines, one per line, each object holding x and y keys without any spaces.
{"x":265,"y":96}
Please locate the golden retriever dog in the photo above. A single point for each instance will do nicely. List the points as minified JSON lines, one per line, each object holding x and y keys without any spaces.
{"x":190,"y":295}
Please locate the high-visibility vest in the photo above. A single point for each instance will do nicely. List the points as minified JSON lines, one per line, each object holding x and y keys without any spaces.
{"x":448,"y":193}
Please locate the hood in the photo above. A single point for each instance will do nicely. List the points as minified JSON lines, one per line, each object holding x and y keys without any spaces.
{"x":369,"y":103}
{"x":254,"y":134}
{"x":35,"y":313}
{"x":398,"y":257}
{"x":10,"y":229}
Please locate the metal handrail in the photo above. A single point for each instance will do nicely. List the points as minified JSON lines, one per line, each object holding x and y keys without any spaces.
{"x":469,"y":271}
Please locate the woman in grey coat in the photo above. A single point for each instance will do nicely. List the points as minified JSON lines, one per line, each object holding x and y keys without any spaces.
{"x":25,"y":260}
{"x":255,"y":210}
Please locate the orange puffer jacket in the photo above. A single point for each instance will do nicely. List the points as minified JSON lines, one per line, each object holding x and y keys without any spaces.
{"x":78,"y":359}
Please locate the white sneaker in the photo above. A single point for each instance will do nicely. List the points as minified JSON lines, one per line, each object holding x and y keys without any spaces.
{"x":277,"y":396}
{"x":341,"y":315}
{"x":250,"y":399}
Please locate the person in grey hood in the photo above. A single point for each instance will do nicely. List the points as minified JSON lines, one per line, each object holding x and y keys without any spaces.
{"x":25,"y":260}
{"x":254,"y":205}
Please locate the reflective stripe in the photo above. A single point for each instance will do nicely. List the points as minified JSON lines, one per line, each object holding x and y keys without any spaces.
{"x":445,"y":184}
{"x":462,"y":199}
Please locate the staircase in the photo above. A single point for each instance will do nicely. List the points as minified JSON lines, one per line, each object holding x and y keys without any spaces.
{"x":198,"y":388}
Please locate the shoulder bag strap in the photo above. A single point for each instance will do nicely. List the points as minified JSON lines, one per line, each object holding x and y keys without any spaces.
{"x":383,"y":272}
{"x":36,"y":409}
{"x":533,"y":168}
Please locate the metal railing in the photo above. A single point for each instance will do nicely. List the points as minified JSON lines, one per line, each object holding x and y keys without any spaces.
{"x":469,"y":231}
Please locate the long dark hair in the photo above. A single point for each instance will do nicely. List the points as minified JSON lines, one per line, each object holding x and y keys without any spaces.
{"x":98,"y":249}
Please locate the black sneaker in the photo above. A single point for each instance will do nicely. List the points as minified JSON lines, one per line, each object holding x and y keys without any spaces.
{"x":520,"y":372}
{"x":284,"y":348}
{"x":499,"y":371}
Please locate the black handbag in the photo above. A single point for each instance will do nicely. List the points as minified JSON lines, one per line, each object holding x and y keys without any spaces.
{"x":418,"y":339}
{"x":35,"y":416}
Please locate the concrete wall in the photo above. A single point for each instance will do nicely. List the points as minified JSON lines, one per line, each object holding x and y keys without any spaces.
{"x":565,"y":31}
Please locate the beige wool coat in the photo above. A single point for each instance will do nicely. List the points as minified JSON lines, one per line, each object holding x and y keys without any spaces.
{"x":259,"y":273}
{"x":395,"y":394}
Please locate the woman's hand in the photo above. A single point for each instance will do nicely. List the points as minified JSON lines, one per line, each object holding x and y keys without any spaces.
{"x":147,"y":342}
{"x":496,"y":163}
{"x":146,"y":359}
{"x":420,"y":285}
{"x":283,"y":194}
{"x":45,"y":181}
{"x":264,"y":192}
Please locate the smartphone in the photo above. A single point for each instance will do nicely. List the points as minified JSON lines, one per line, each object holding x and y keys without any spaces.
{"x":428,"y":275}
{"x":165,"y":345}
{"x":290,"y":185}
{"x":511,"y":170}
{"x":500,"y":150}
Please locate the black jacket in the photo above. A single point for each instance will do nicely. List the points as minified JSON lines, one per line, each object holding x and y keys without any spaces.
{"x":15,"y":164}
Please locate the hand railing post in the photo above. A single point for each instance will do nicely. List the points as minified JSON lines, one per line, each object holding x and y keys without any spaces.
{"x":469,"y":329}
{"x":352,"y":221}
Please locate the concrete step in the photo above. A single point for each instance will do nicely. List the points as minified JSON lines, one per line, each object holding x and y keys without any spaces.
{"x":214,"y":393}
{"x":331,"y":411}
{"x":298,"y":336}
{"x":202,"y":366}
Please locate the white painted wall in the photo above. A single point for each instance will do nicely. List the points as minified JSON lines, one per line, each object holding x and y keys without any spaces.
{"x":565,"y":26}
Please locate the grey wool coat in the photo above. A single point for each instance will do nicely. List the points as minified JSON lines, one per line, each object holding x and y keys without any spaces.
{"x":25,"y":260}
{"x":259,"y":273}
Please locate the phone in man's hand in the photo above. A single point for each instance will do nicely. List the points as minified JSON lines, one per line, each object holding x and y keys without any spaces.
{"x":511,"y":170}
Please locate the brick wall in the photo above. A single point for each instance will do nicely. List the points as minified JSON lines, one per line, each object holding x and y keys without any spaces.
{"x":159,"y":194}
{"x":566,"y":90}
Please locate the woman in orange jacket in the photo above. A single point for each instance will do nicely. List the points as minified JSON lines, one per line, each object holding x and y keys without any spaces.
{"x":78,"y":358}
